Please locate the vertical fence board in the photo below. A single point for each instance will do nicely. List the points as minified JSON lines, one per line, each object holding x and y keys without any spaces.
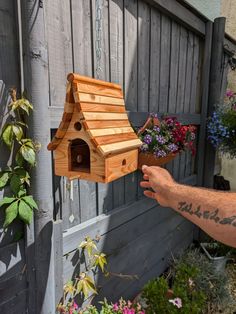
{"x":165,"y":63}
{"x":131,"y":79}
{"x":155,"y":39}
{"x":117,"y":74}
{"x":59,"y":48}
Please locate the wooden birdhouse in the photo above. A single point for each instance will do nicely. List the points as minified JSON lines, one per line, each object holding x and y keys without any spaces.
{"x":95,"y":140}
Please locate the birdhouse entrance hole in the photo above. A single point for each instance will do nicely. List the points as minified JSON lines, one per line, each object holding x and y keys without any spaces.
{"x":79,"y":156}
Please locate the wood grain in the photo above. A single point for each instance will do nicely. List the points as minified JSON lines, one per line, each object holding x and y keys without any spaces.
{"x":104,"y":116}
{"x":117,"y":147}
{"x":98,"y":89}
{"x":110,"y":131}
{"x":106,"y":124}
{"x":80,"y":78}
{"x":100,"y":108}
{"x":83,"y":97}
{"x":108,"y":139}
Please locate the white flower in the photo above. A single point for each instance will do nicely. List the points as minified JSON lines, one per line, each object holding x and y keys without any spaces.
{"x":177,"y":302}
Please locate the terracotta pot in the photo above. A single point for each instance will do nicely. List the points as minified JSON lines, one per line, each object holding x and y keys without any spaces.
{"x":150,"y":160}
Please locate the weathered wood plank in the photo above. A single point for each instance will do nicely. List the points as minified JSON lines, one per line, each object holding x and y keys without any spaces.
{"x":143,"y":54}
{"x":9,"y":60}
{"x":195,"y":73}
{"x":12,"y":286}
{"x":204,"y":101}
{"x":182,"y":70}
{"x":174,"y":65}
{"x":180,"y":13}
{"x":58,"y":262}
{"x":59,"y":48}
{"x":82,"y":36}
{"x":164,"y":63}
{"x":155,"y":39}
{"x":17,"y":304}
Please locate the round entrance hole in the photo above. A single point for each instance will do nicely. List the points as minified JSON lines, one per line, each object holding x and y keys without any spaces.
{"x":123,"y":162}
{"x":77,"y":126}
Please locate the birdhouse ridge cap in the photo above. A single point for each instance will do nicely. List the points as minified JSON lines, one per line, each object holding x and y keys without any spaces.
{"x":77,"y":77}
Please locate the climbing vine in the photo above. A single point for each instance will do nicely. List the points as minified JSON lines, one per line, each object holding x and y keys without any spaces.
{"x":15,"y":178}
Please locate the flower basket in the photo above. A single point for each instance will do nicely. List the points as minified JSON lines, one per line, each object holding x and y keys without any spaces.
{"x":163,"y":140}
{"x":149,"y":159}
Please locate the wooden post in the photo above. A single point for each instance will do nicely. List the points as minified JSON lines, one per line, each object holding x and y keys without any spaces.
{"x":204,"y":102}
{"x":39,"y":252}
{"x":214,"y":91}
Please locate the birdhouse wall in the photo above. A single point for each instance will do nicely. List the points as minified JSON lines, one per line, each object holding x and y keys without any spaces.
{"x":62,"y":155}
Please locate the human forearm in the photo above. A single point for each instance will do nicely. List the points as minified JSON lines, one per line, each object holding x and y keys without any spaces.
{"x":214,"y":212}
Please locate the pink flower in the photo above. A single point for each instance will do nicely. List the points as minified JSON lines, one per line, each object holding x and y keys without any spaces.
{"x":115,"y":307}
{"x":177,"y":302}
{"x":229,"y":93}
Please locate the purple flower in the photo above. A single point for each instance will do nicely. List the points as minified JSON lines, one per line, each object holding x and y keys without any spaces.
{"x":156,"y":128}
{"x":177,"y":302}
{"x":147,"y":139}
{"x":160,"y":139}
{"x":172,"y":147}
{"x":160,"y":153}
{"x":144,"y":148}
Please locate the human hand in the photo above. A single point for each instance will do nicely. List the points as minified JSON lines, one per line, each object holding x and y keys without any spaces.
{"x":161,"y":182}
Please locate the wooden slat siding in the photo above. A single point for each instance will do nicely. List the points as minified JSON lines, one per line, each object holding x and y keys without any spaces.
{"x":165,"y":63}
{"x":165,"y":239}
{"x":158,"y":266}
{"x":118,"y":147}
{"x":59,"y":48}
{"x":174,"y":64}
{"x":9,"y":49}
{"x":12,"y":286}
{"x":82,"y":36}
{"x":182,"y":70}
{"x":143,"y":46}
{"x":91,"y":125}
{"x":91,"y":98}
{"x":109,"y":131}
{"x":104,"y":116}
{"x":58,"y":262}
{"x":155,"y":39}
{"x":104,"y":223}
{"x":115,"y":138}
{"x":17,"y":304}
{"x":15,"y":263}
{"x":181,"y":14}
{"x":131,"y":78}
{"x":188,"y":107}
{"x":101,"y":108}
{"x":195,"y":72}
{"x":83,"y":64}
{"x":143,"y":54}
{"x":104,"y":197}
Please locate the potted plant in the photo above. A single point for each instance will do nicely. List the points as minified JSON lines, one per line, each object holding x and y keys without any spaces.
{"x":163,"y":140}
{"x":221,"y":126}
{"x":218,"y":253}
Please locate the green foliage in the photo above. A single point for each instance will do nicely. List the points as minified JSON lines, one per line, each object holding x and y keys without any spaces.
{"x":23,"y":153}
{"x":83,"y":285}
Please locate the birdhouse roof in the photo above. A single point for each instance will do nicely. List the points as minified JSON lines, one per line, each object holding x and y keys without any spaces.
{"x":104,"y":117}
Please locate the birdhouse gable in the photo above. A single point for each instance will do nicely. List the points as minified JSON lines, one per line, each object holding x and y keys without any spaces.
{"x":94,"y":112}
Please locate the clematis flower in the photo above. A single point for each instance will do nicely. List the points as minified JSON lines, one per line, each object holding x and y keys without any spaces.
{"x":176,"y":302}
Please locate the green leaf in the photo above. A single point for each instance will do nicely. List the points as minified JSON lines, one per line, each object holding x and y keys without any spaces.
{"x":28,"y":154}
{"x":25,"y":212}
{"x":15,"y":183}
{"x":28,"y":142}
{"x":23,"y":174}
{"x":100,"y":260}
{"x":7,"y":200}
{"x":23,"y":104}
{"x":21,"y":193}
{"x":89,"y":245}
{"x":4,"y":177}
{"x":19,"y":158}
{"x":17,"y":130}
{"x":11,"y":213}
{"x":7,"y":136}
{"x":29,"y":200}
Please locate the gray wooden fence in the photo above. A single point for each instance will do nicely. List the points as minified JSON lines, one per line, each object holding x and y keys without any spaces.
{"x":161,"y":54}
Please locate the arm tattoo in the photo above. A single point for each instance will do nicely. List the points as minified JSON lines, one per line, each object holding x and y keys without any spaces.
{"x":205,"y":214}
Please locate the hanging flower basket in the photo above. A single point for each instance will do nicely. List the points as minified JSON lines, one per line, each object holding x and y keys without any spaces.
{"x":163,"y":140}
